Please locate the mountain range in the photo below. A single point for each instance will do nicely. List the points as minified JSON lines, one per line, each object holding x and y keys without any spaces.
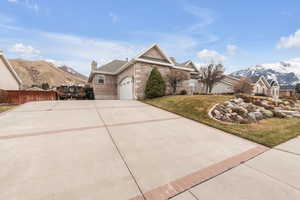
{"x":39,"y":72}
{"x":286,"y":72}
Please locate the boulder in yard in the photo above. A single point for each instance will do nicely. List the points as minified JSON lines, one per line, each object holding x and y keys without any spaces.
{"x":267,"y":113}
{"x":296,"y":115}
{"x":279,"y":114}
{"x":252,"y":117}
{"x":258,"y":115}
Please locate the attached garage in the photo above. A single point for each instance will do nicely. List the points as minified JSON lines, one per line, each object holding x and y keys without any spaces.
{"x":126,"y":88}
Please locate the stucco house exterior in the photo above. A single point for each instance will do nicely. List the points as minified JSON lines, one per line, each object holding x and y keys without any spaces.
{"x":126,"y":79}
{"x":225,"y":86}
{"x":9,"y":80}
{"x":261,"y":86}
{"x":266,"y":87}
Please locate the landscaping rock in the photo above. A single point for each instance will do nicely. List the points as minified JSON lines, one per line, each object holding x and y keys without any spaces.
{"x":239,"y":111}
{"x":279,"y":114}
{"x":217,"y":114}
{"x":296,"y":115}
{"x":258,"y":115}
{"x":252,"y":116}
{"x":267,"y":113}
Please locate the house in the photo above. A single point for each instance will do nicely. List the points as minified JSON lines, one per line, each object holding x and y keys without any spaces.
{"x":261,"y":86}
{"x":265,"y":87}
{"x":287,"y":91}
{"x":226,"y":85}
{"x":9,"y":80}
{"x":126,"y":79}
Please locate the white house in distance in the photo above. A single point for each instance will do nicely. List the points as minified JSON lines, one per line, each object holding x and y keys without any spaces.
{"x":9,"y":80}
{"x":261,"y":86}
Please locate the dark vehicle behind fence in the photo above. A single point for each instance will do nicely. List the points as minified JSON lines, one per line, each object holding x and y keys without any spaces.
{"x":74,"y":92}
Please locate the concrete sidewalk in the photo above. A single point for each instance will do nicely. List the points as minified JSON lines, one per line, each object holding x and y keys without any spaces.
{"x":274,"y":175}
{"x":130,"y":150}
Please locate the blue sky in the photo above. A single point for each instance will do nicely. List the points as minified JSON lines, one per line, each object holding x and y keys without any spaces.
{"x":237,"y":33}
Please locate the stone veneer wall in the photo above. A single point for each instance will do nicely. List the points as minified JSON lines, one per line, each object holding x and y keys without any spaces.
{"x":142,"y":72}
{"x":106,"y":91}
{"x":127,"y":72}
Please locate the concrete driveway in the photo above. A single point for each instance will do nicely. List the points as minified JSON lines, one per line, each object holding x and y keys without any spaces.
{"x":130,"y":150}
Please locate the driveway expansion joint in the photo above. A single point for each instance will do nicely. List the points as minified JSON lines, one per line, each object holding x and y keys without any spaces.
{"x":272,"y":177}
{"x":5,"y":137}
{"x":286,"y":151}
{"x":185,"y":183}
{"x":141,"y":197}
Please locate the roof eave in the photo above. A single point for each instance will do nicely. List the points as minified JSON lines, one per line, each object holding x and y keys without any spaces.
{"x":11,"y":69}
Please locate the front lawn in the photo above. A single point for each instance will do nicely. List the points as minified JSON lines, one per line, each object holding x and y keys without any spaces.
{"x":269,"y":132}
{"x":5,"y":107}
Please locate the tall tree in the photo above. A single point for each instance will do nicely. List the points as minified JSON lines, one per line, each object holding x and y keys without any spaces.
{"x":155,"y":86}
{"x":210,"y":75}
{"x":175,"y":77}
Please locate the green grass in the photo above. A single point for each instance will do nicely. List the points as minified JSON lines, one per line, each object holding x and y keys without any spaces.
{"x":5,"y":107}
{"x":268,"y":132}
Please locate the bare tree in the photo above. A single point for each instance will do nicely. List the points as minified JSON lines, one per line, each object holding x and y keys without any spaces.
{"x":175,"y":77}
{"x":243,"y":86}
{"x":210,"y":75}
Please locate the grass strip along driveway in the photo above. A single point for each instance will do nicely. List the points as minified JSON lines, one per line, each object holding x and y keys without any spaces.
{"x":268,"y":132}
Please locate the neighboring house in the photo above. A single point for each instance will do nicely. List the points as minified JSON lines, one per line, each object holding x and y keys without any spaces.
{"x":265,"y":87}
{"x":261,"y":86}
{"x":121,"y":79}
{"x":9,"y":80}
{"x":287,"y":91}
{"x":225,"y":86}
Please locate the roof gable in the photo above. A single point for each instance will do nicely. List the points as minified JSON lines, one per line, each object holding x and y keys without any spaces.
{"x":154,"y":53}
{"x":190,"y":64}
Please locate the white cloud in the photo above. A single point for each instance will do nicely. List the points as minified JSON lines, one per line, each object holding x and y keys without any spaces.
{"x":204,"y":17}
{"x":12,"y":1}
{"x":210,"y":56}
{"x":24,"y":51}
{"x":288,"y":42}
{"x":114,"y":17}
{"x":231,"y":49}
{"x":72,"y":50}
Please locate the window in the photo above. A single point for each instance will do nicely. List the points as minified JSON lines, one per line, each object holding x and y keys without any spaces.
{"x":100,"y":79}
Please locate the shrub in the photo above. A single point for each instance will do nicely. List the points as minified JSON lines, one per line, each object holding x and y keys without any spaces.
{"x":183,"y":92}
{"x":155,"y":86}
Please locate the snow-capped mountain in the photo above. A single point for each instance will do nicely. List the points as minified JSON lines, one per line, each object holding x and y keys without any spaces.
{"x":287,"y":72}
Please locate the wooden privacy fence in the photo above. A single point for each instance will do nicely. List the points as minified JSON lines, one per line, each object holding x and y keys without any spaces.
{"x":23,"y":96}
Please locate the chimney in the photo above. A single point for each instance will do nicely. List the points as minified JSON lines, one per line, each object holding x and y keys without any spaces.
{"x":94,"y":65}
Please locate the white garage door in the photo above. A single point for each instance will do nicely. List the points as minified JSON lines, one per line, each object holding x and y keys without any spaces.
{"x":125,"y":88}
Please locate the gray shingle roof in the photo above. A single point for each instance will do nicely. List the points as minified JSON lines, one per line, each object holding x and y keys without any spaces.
{"x":112,"y":66}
